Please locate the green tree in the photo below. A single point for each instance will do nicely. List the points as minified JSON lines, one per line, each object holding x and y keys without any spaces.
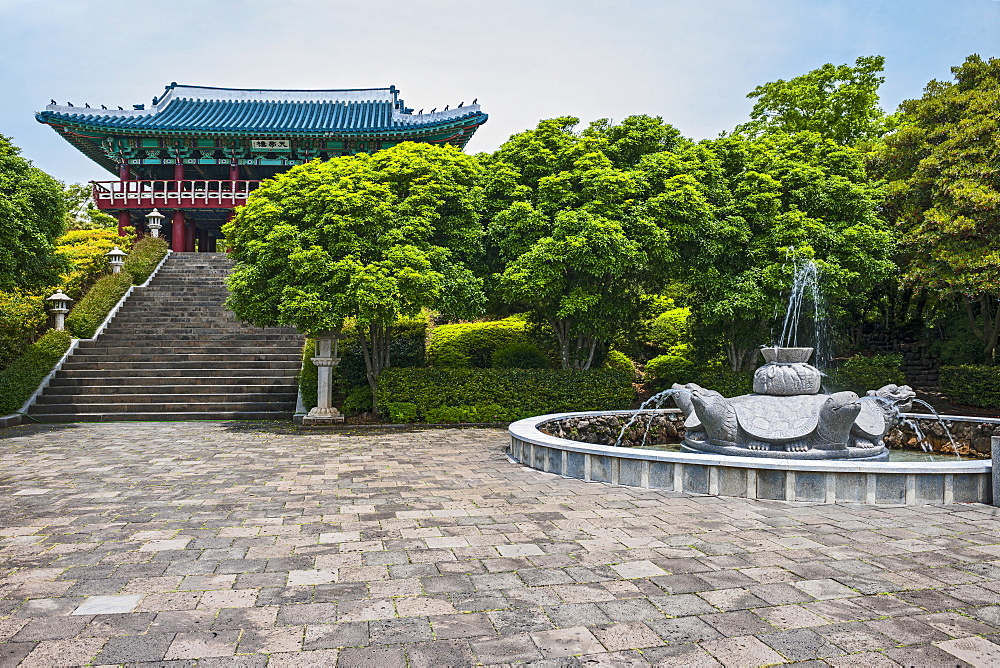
{"x":32,"y":211}
{"x":943,"y":169}
{"x":82,"y":213}
{"x":839,"y":102}
{"x":582,"y":222}
{"x":367,"y":237}
{"x":785,"y":191}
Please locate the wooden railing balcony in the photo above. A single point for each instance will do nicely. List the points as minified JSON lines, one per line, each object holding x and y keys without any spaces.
{"x":171,"y":194}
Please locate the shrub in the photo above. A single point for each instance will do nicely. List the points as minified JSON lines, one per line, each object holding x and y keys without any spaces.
{"x":519,"y":356}
{"x":400,"y":412}
{"x":21,"y":378}
{"x":860,"y":374}
{"x":665,"y":370}
{"x":145,"y":255}
{"x":85,"y":251}
{"x":971,"y":385}
{"x":22,"y":317}
{"x":669,"y":331}
{"x":478,"y":413}
{"x":358,"y":400}
{"x":93,"y":308}
{"x":620,"y":362}
{"x":724,"y":380}
{"x":520,"y":392}
{"x":406,"y":349}
{"x":472,"y":344}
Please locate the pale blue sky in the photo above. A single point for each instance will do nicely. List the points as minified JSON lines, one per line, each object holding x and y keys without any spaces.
{"x":690,"y":61}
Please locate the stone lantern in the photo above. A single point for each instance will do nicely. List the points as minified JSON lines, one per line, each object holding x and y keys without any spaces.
{"x":325,"y":360}
{"x":116,"y":257}
{"x":60,"y":306}
{"x":154,"y":221}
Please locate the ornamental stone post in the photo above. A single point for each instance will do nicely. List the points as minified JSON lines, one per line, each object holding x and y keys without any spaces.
{"x":325,"y":360}
{"x":60,"y":307}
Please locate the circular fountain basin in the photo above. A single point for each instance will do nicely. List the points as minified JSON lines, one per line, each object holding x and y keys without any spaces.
{"x":831,"y":481}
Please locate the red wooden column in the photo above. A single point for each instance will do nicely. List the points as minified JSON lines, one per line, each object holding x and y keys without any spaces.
{"x":178,"y":171}
{"x":123,"y":222}
{"x":203,"y":241}
{"x":124,"y":175}
{"x":178,"y":235}
{"x":232,"y":214}
{"x":191,"y":230}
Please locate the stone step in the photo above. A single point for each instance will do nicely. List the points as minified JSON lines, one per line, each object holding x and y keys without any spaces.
{"x":172,"y":407}
{"x":169,"y":358}
{"x":162,"y":416}
{"x":145,"y":374}
{"x":192,"y":385}
{"x":165,"y":398}
{"x":128,"y":340}
{"x":69,"y":365}
{"x":193,"y":347}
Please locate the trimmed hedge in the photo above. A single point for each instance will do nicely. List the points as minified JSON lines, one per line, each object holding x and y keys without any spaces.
{"x":860,"y":374}
{"x":665,"y":370}
{"x":471,"y":344}
{"x":145,"y":255}
{"x":519,"y":356}
{"x":22,"y":377}
{"x":22,"y":318}
{"x":521,"y":392}
{"x":91,"y":311}
{"x":971,"y":385}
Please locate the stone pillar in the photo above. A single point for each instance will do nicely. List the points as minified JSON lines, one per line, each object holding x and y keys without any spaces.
{"x":995,"y":447}
{"x":178,"y":236}
{"x":325,"y":360}
{"x":123,"y":222}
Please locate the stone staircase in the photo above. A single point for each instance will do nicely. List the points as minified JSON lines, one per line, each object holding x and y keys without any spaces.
{"x":173,"y":352}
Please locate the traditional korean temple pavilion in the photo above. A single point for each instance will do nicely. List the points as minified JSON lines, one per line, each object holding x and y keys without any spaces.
{"x":197,"y":152}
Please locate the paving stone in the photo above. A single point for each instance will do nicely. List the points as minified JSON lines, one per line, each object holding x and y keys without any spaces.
{"x":328,"y":636}
{"x":132,"y":649}
{"x":438,"y":653}
{"x":372,"y":657}
{"x":566,"y":642}
{"x":800,"y":644}
{"x":742,"y":651}
{"x":683,"y":630}
{"x":199,"y":645}
{"x":506,"y":649}
{"x":628,"y":635}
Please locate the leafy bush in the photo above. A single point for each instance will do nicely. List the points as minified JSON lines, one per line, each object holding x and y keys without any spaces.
{"x":358,"y":400}
{"x":619,"y":361}
{"x":93,"y":308}
{"x":971,"y":385}
{"x":860,"y":374}
{"x":519,"y":356}
{"x":400,"y":412}
{"x":85,"y":250}
{"x":665,"y":370}
{"x":520,"y":392}
{"x":478,"y":413}
{"x":724,"y":380}
{"x":145,"y":255}
{"x":472,"y":344}
{"x":22,"y":377}
{"x":669,"y":331}
{"x":22,"y":317}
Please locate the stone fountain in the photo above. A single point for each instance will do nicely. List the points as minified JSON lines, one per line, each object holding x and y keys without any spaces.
{"x":788,"y":417}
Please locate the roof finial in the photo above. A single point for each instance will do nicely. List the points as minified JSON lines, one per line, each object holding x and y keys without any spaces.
{"x":87,"y":105}
{"x":69,"y":104}
{"x":446,"y":107}
{"x":420,"y":112}
{"x":120,"y":108}
{"x":103,"y":107}
{"x":461,"y":103}
{"x":434,"y":109}
{"x":52,"y":101}
{"x":475,"y":101}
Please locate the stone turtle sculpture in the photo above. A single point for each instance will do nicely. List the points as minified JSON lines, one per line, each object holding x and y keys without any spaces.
{"x":788,"y":417}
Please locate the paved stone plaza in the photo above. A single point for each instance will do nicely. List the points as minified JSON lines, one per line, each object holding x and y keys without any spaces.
{"x":228,"y":544}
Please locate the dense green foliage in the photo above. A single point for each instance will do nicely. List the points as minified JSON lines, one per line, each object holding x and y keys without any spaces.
{"x":943,"y":168}
{"x":971,"y":385}
{"x":862,"y":373}
{"x":32,"y":216}
{"x":615,"y":359}
{"x":22,"y":318}
{"x":518,"y":356}
{"x":581,"y":222}
{"x":521,"y":392}
{"x":85,"y":250}
{"x":22,"y":376}
{"x":88,"y":313}
{"x":472,"y":344}
{"x":146,"y":255}
{"x":369,"y":237}
{"x":665,"y":370}
{"x":838,"y":102}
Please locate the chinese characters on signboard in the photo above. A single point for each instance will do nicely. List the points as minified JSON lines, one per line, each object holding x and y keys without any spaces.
{"x":271,"y":144}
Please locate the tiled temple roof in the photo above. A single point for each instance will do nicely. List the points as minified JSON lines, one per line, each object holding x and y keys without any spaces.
{"x":198,"y":109}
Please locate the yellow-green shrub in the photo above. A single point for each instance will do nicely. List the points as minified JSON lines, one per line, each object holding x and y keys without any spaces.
{"x":22,"y":317}
{"x":471,"y":344}
{"x":85,"y":249}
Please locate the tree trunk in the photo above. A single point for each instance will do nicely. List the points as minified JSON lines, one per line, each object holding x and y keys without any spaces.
{"x":989,"y":331}
{"x":574,"y":352}
{"x":374,"y":339}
